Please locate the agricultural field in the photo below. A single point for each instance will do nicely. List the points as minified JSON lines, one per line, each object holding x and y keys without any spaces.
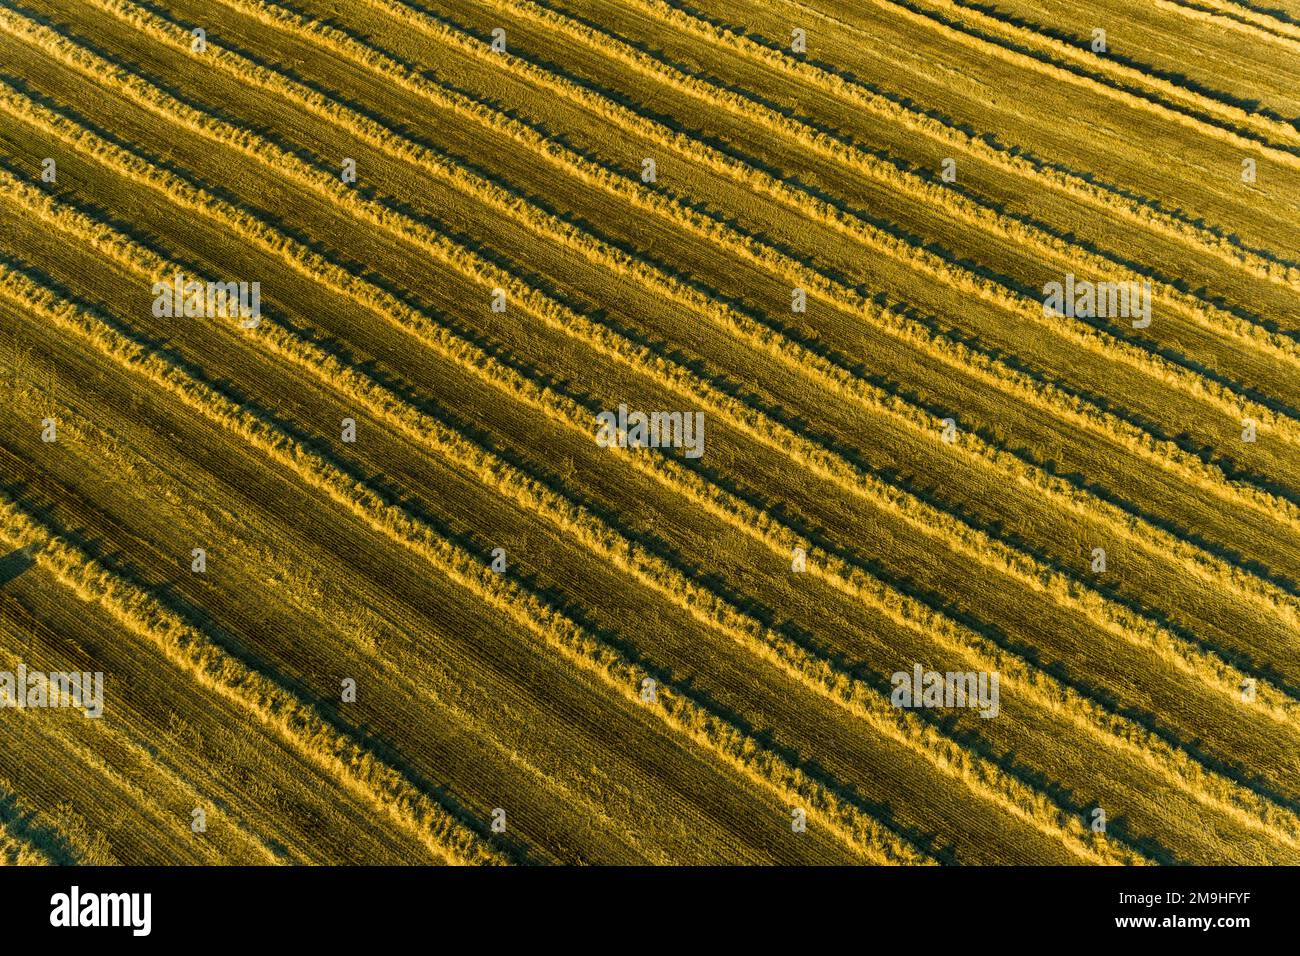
{"x":649,"y":432}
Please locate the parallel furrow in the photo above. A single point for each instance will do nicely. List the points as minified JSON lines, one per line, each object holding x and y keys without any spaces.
{"x":1143,"y":210}
{"x":655,"y":572}
{"x":126,"y":786}
{"x":395,"y":664}
{"x":1023,"y":46}
{"x":198,"y":655}
{"x":1166,"y":367}
{"x":1238,"y":13}
{"x":195,"y":653}
{"x":395,"y":670}
{"x":1237,"y":17}
{"x":682,"y":713}
{"x":1205,"y":785}
{"x":1134,"y":626}
{"x":830,"y":376}
{"x":1038,"y":388}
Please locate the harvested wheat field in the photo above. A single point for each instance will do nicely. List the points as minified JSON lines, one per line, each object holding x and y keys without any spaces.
{"x":640,"y":431}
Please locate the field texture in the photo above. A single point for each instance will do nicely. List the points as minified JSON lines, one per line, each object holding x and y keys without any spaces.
{"x":376,"y":571}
